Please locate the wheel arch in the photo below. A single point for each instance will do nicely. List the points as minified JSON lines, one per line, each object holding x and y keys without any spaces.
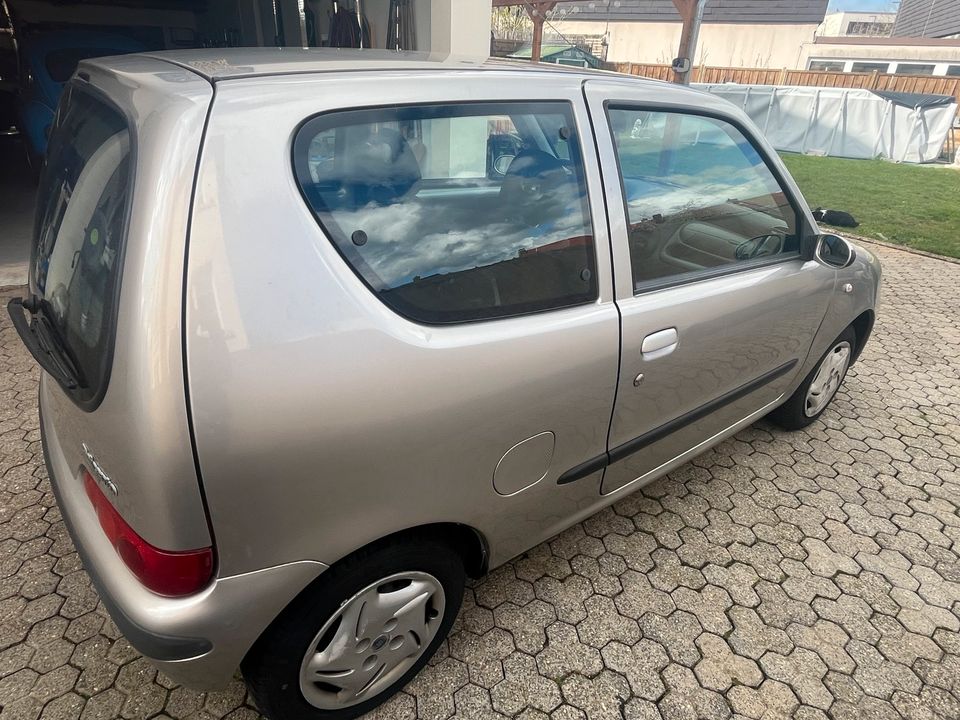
{"x":467,"y":541}
{"x":862,"y":327}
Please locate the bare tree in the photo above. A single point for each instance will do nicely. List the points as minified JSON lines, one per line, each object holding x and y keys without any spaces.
{"x":511,"y":23}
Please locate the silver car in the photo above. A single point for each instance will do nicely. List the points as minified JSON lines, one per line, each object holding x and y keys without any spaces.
{"x":325,"y":334}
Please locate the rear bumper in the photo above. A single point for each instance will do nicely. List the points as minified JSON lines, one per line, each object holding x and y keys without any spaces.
{"x":197,"y":640}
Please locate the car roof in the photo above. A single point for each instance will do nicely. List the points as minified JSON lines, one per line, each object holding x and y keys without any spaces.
{"x":217,"y":64}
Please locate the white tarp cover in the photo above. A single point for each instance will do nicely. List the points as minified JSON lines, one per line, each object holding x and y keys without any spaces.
{"x":841,"y":122}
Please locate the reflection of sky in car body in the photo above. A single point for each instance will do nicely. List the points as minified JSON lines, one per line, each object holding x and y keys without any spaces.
{"x":448,"y":240}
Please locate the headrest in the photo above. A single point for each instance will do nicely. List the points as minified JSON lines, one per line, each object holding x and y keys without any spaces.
{"x":381,"y":168}
{"x":531,"y":163}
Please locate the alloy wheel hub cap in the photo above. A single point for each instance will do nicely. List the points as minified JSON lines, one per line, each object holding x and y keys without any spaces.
{"x":372,"y":640}
{"x":828,"y":378}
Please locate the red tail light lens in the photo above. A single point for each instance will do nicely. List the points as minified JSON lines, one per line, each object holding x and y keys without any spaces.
{"x":166,"y":572}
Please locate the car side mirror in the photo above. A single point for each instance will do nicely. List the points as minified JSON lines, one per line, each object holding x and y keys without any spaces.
{"x":833,"y":250}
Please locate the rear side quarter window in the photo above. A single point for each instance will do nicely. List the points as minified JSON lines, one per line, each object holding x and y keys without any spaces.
{"x":454,"y":213}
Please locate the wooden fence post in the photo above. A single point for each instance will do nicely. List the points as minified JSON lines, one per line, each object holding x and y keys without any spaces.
{"x":874,"y":79}
{"x":629,"y":68}
{"x":783,"y":77}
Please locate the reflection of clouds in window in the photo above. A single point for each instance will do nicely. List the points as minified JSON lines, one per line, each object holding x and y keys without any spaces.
{"x":702,"y":191}
{"x":397,"y":260}
{"x":455,"y":212}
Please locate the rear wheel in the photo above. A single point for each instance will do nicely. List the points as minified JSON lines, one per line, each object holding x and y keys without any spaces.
{"x":818,"y":389}
{"x":359,"y":634}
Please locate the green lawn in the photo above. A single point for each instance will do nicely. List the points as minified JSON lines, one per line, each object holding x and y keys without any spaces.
{"x":904,"y":204}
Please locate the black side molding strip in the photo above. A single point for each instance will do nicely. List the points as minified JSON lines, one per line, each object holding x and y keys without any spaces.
{"x":582,"y":470}
{"x":658,"y":433}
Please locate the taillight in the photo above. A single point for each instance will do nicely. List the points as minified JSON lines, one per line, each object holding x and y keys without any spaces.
{"x":166,"y":572}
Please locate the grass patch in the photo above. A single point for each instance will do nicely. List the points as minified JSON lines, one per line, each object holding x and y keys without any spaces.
{"x":904,"y":204}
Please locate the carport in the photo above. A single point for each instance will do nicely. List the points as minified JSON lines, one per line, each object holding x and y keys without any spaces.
{"x":42,"y":40}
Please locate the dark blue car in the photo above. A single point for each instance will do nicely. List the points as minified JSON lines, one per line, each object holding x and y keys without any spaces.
{"x":48,"y":61}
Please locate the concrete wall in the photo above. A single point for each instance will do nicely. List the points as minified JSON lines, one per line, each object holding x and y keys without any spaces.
{"x":837,"y":24}
{"x":734,"y":45}
{"x":879,"y":52}
{"x":459,"y":26}
{"x":716,"y":11}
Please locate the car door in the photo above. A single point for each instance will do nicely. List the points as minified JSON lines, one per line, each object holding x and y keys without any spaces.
{"x":718,"y":306}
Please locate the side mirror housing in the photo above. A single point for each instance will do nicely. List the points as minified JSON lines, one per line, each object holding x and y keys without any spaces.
{"x":834,"y":250}
{"x":808,"y":246}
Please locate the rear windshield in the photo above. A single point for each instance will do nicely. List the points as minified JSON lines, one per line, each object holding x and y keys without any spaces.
{"x":81,"y":216}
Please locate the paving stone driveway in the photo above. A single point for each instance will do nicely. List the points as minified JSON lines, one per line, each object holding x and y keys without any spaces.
{"x":812,"y":574}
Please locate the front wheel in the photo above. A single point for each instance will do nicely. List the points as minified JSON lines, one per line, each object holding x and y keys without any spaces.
{"x":819,"y":387}
{"x":358,"y":634}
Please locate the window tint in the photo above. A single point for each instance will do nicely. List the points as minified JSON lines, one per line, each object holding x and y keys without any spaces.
{"x":454,"y":212}
{"x":914,"y":69}
{"x":698,"y":196}
{"x":869,"y":67}
{"x":826,"y":65}
{"x":76,"y":257}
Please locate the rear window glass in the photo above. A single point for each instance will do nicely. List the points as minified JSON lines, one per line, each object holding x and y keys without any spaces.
{"x":452,"y":213}
{"x":84,"y":194}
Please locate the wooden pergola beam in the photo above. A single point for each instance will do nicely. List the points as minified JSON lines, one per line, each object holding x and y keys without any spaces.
{"x":691,"y":14}
{"x":537,"y":10}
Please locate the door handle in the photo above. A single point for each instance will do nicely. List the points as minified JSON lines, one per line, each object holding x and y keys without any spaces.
{"x":660,"y":343}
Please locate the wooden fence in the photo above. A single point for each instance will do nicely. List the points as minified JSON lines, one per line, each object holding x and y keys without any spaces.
{"x":817,"y":78}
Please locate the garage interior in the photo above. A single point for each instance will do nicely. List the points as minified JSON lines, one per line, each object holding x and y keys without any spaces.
{"x":437,"y":26}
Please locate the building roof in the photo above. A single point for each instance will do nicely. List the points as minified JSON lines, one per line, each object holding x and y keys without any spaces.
{"x":928,"y":18}
{"x":888,"y":41}
{"x":717,"y":11}
{"x":556,"y":52}
{"x":546,"y":50}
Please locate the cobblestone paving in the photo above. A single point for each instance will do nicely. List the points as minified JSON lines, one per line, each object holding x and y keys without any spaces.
{"x":808,"y":575}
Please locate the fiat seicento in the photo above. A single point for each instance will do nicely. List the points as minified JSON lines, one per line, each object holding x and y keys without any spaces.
{"x":325,"y":334}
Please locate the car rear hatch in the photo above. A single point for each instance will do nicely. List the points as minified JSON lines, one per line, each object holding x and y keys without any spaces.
{"x":103,"y":314}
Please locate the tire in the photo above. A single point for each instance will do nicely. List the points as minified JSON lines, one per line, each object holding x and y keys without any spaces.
{"x":314,"y":630}
{"x":805,"y":406}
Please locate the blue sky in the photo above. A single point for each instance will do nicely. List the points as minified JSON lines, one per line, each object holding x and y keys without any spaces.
{"x":862,"y":5}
